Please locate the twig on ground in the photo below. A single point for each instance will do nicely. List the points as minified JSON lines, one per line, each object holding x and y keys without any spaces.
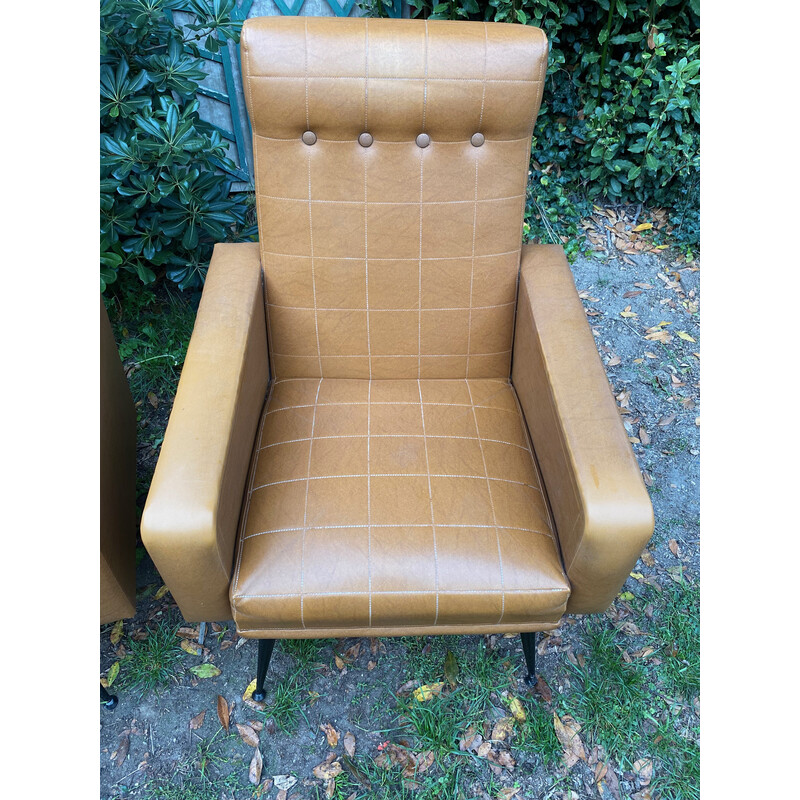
{"x":636,"y":218}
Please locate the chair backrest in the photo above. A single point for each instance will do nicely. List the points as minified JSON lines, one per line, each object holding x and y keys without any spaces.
{"x":391,"y":163}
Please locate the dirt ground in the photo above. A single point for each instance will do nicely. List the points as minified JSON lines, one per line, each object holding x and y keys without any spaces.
{"x":644,"y":313}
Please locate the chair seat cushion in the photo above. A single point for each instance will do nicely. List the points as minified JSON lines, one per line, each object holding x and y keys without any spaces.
{"x":381,"y":507}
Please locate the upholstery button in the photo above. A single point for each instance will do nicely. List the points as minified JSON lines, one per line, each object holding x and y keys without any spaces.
{"x":423,"y":140}
{"x":309,"y":137}
{"x":477,"y":139}
{"x":365,"y":140}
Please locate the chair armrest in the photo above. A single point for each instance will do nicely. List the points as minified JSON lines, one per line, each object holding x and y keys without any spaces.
{"x":602,"y":511}
{"x":190,"y":520}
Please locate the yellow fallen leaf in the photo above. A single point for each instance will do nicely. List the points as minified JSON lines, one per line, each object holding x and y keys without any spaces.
{"x":502,"y":728}
{"x":645,"y":226}
{"x":192,"y":648}
{"x":161,"y":592}
{"x":637,"y":575}
{"x":116,"y":632}
{"x":112,"y":673}
{"x":662,"y":247}
{"x":628,"y":314}
{"x":685,"y":336}
{"x":428,"y":691}
{"x":331,"y":734}
{"x":626,"y":596}
{"x":517,"y":709}
{"x":247,"y":697}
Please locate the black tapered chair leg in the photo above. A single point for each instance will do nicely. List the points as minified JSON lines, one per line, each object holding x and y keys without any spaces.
{"x":529,"y":648}
{"x":264,"y":655}
{"x":108,"y":700}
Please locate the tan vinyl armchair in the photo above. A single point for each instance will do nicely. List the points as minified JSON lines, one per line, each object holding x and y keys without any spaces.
{"x":117,"y":488}
{"x":392,"y":419}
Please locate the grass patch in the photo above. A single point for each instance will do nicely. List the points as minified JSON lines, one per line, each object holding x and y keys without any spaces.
{"x":291,"y":693}
{"x":446,"y":781}
{"x":613,"y":704}
{"x":152,"y":330}
{"x":201,"y":777}
{"x":675,"y":627}
{"x":677,"y":769}
{"x":152,"y":664}
{"x":305,"y":652}
{"x":436,"y":723}
{"x":289,"y":696}
{"x":537,"y":734}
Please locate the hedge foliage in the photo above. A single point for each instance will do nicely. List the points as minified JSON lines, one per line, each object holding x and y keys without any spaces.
{"x":619,"y":123}
{"x":620,"y":119}
{"x":164,"y":200}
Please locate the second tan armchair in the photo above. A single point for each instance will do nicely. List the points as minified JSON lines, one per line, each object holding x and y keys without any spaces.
{"x":392,"y":418}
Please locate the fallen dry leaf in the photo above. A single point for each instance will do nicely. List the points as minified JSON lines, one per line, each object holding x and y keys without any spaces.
{"x":223,"y":712}
{"x":502,"y":728}
{"x":614,"y":361}
{"x":123,"y":747}
{"x":116,"y":632}
{"x":256,"y":765}
{"x":673,"y":547}
{"x":471,"y":740}
{"x":451,"y":669}
{"x":633,"y":293}
{"x":508,"y":793}
{"x":517,"y":709}
{"x":196,"y":722}
{"x":161,"y":592}
{"x":501,"y":758}
{"x":187,"y":633}
{"x":428,"y":691}
{"x":350,"y":744}
{"x":331,"y":734}
{"x":284,"y":782}
{"x":328,"y":769}
{"x":247,"y":697}
{"x":648,"y":559}
{"x":644,"y":436}
{"x":112,"y":673}
{"x":192,"y":648}
{"x":644,"y":770}
{"x":351,"y":654}
{"x":667,"y":420}
{"x":567,"y":730}
{"x":355,"y":772}
{"x":483,"y":749}
{"x":407,"y":688}
{"x":249,"y":736}
{"x":543,"y":689}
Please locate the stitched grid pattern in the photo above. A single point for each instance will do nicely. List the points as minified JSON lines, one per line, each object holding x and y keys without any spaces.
{"x":391,"y":261}
{"x":363,"y":491}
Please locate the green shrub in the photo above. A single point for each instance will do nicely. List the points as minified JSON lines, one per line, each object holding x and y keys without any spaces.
{"x":164,"y":200}
{"x":620,"y":117}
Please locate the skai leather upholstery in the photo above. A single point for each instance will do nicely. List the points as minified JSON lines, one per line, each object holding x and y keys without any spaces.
{"x":350,"y":451}
{"x":117,"y":483}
